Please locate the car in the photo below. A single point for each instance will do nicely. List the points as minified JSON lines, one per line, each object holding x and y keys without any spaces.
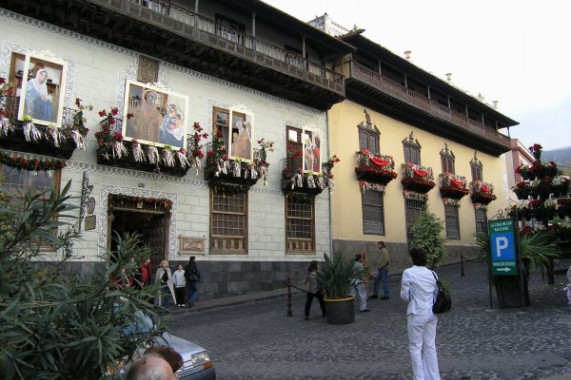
{"x":196,"y":362}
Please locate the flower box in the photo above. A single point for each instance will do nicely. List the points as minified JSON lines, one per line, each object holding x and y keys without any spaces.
{"x":483,"y":192}
{"x":417,"y":178}
{"x":453,"y":186}
{"x":375,"y":169}
{"x":40,"y":139}
{"x":174,"y":167}
{"x":230,"y":175}
{"x":308,"y":183}
{"x":564,"y":207}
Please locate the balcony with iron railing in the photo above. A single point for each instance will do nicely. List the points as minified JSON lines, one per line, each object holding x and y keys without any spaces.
{"x":419,"y":101}
{"x":203,"y":30}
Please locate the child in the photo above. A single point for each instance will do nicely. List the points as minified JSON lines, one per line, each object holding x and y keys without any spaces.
{"x":179,"y":285}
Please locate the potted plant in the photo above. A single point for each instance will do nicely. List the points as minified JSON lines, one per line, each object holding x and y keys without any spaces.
{"x":336,"y":276}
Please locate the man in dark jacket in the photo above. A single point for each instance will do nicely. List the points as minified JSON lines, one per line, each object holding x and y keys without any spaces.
{"x":192,"y":277}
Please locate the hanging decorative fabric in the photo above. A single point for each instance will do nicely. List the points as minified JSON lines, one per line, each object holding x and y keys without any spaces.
{"x":167,"y":157}
{"x":310,"y":181}
{"x":118,"y":149}
{"x":56,"y":136}
{"x":182,"y":159}
{"x":31,"y":132}
{"x":138,"y":153}
{"x":152,"y":154}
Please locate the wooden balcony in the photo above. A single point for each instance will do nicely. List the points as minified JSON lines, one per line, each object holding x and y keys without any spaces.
{"x":180,"y":36}
{"x":379,"y":92}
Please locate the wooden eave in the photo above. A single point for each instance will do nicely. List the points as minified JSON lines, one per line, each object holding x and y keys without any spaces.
{"x":373,"y":49}
{"x":109,"y":21}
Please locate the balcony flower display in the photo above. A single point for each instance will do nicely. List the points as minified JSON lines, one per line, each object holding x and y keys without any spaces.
{"x":535,"y":150}
{"x":377,"y":169}
{"x":537,"y":170}
{"x":564,"y":207}
{"x":115,"y":151}
{"x":195,"y":148}
{"x":453,"y":186}
{"x":51,"y":140}
{"x":522,"y":190}
{"x":560,"y":186}
{"x":417,"y":178}
{"x":261,"y":156}
{"x":482,"y":192}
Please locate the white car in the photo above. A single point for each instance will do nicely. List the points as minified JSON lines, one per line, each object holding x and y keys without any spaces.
{"x":196,"y":363}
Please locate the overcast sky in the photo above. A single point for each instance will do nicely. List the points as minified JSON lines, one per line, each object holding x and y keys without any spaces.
{"x":517,"y":52}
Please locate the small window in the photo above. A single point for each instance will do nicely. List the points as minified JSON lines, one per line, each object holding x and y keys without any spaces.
{"x":447,"y":159}
{"x":411,"y":149}
{"x":300,"y":222}
{"x":476,"y":168}
{"x":452,"y":222}
{"x":413,"y":207}
{"x":481,"y":220}
{"x":369,"y":135}
{"x":228,"y":231}
{"x":373,"y":213}
{"x":303,"y":151}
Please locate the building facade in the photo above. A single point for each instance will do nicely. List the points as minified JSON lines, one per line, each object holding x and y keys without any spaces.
{"x":241,"y":83}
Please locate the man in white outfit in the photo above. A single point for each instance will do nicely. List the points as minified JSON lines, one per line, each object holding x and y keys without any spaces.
{"x":418,"y":288}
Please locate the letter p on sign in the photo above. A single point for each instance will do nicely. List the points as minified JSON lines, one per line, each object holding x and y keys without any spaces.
{"x":501,"y":244}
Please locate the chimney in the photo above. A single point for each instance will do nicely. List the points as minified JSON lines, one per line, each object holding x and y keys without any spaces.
{"x":407,"y":54}
{"x":449,"y":77}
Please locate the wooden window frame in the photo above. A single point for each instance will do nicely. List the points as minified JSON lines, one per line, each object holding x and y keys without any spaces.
{"x":452,"y":222}
{"x":297,"y":244}
{"x":481,"y":226}
{"x":412,"y":208}
{"x":227,"y":243}
{"x":448,"y":160}
{"x":476,"y":168}
{"x":369,"y":204}
{"x":411,"y":148}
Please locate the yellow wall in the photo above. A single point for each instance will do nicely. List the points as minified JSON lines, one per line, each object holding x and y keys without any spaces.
{"x":346,"y":201}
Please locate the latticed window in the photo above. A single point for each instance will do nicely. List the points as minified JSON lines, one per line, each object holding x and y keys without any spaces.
{"x":373,"y":213}
{"x":229,"y":222}
{"x":16,"y":183}
{"x":294,"y":149}
{"x":481,"y":220}
{"x":300,"y":224}
{"x":369,"y":139}
{"x":452,"y":222}
{"x":413,"y":208}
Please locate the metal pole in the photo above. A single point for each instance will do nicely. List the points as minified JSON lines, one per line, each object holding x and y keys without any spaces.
{"x":518,"y":259}
{"x":462,"y":273}
{"x":289,"y":310}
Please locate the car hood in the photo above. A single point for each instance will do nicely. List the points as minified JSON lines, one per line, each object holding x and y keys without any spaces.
{"x":184,"y":347}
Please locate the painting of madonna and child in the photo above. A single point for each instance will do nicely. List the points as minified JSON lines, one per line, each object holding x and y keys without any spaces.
{"x":158,"y":116}
{"x":42,"y":91}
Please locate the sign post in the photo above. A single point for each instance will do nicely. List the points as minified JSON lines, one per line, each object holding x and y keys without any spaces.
{"x":503,"y":247}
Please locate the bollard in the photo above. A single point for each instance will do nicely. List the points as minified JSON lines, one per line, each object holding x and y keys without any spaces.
{"x":462,"y":274}
{"x":289,"y":311}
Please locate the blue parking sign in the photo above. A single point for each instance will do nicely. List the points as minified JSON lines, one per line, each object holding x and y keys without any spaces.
{"x":502,"y":247}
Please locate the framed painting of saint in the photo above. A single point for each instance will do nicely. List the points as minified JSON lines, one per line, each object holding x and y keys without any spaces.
{"x":43,"y":90}
{"x":157,"y":116}
{"x":241,"y":130}
{"x":311,"y":151}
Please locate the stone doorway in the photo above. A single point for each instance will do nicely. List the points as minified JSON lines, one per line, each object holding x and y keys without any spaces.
{"x":152,"y":226}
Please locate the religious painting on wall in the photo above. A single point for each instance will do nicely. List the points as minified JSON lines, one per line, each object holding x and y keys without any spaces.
{"x":311,"y":151}
{"x":42,"y":89}
{"x":159,"y":116}
{"x":241,"y":132}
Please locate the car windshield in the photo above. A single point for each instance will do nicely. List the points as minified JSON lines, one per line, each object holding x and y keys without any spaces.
{"x":142,"y":325}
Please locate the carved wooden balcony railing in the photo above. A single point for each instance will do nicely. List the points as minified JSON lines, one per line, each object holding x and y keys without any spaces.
{"x":193,"y":26}
{"x":416,"y":99}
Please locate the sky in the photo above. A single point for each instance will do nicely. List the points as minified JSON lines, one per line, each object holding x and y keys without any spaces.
{"x":517,"y":52}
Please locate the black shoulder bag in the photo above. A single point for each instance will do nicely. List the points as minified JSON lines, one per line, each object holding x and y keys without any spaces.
{"x":443,"y":301}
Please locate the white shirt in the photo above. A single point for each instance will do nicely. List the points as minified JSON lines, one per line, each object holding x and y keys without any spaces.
{"x":418,"y":287}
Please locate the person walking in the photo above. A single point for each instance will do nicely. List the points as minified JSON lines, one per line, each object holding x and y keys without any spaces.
{"x":192,"y":276}
{"x":164,"y":277}
{"x":358,"y":286}
{"x":383,"y":272}
{"x":313,"y":289}
{"x":179,"y":283}
{"x":418,"y":288}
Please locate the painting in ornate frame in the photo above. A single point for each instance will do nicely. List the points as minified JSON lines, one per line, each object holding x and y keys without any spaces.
{"x":159,"y":116}
{"x":43,"y":90}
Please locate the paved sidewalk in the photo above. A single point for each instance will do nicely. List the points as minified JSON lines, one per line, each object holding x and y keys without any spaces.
{"x":250,"y":336}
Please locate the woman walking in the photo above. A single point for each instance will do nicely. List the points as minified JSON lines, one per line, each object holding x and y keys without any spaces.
{"x":313,"y":288}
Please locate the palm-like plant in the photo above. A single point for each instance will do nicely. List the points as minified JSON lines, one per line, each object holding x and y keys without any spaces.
{"x":336,"y":276}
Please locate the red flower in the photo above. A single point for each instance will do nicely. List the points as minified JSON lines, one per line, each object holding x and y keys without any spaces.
{"x":102,"y":113}
{"x":78,"y":102}
{"x":114,"y":111}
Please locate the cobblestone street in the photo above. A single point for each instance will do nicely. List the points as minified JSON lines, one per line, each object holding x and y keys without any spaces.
{"x":256,"y":340}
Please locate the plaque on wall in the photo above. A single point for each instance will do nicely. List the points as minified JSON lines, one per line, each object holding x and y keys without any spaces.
{"x":89,"y":222}
{"x":192,"y":244}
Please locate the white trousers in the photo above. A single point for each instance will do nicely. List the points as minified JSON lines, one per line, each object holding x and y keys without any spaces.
{"x":362,"y":292}
{"x":422,"y":346}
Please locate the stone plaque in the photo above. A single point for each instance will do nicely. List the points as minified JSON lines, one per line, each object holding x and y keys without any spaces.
{"x":89,"y":222}
{"x":148,"y":70}
{"x":191,"y":244}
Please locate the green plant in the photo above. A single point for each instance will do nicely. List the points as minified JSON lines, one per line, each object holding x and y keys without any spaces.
{"x":336,"y":276}
{"x":55,"y":325}
{"x":426,"y":232}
